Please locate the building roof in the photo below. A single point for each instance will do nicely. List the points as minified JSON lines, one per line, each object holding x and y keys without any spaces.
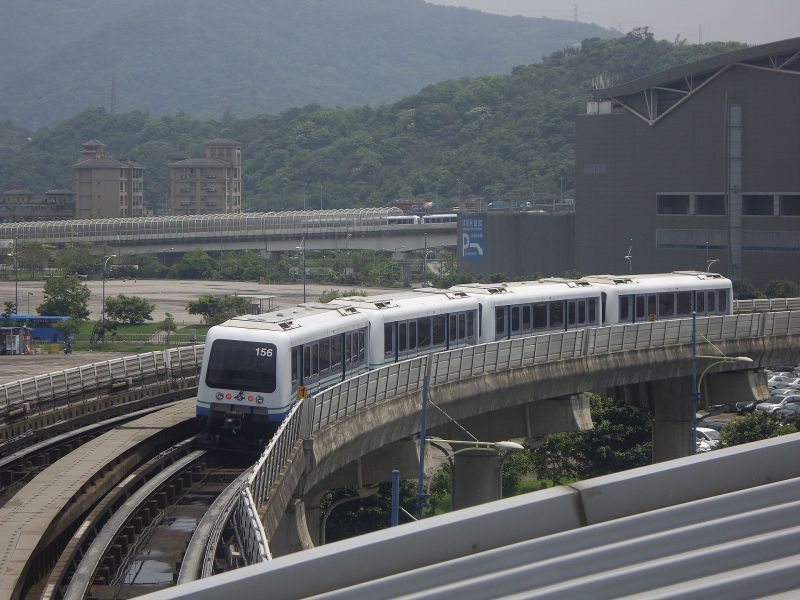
{"x":19,"y":193}
{"x":106,"y":163}
{"x":93,"y":142}
{"x":784,"y":54}
{"x":60,"y":192}
{"x":200,"y":162}
{"x":222,"y":142}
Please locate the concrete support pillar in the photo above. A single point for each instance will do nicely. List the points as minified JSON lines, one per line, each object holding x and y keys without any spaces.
{"x":272,"y":256}
{"x":292,"y":534}
{"x":672,"y":423}
{"x":730,"y":388}
{"x":475,"y":477}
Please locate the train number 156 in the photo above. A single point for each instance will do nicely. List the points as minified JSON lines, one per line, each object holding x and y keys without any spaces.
{"x":264,"y":352}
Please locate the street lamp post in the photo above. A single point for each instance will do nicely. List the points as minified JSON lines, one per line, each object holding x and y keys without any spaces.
{"x":13,"y":255}
{"x":105,"y":266}
{"x":560,"y":189}
{"x":302,"y":248}
{"x":29,"y":302}
{"x":697,"y":382}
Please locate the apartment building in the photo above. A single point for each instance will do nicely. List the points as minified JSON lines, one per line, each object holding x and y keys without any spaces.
{"x":107,"y":187}
{"x":209,"y":185}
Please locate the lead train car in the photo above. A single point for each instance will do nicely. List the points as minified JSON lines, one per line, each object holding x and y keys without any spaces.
{"x":255,"y":364}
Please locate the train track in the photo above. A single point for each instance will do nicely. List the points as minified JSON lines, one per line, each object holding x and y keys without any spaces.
{"x":131,"y":539}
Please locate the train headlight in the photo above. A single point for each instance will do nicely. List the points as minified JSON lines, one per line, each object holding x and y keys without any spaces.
{"x":219,"y":396}
{"x":260,"y":399}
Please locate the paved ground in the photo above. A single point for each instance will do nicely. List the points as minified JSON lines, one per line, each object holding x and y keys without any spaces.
{"x":169,"y":295}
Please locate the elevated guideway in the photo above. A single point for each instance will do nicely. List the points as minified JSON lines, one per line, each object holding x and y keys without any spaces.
{"x":347,"y":229}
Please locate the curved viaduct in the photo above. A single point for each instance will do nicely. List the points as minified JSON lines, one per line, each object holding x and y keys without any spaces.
{"x":518,"y":388}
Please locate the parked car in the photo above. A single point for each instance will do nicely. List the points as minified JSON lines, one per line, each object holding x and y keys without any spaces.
{"x":781,"y":381}
{"x":788,"y":411}
{"x":773,"y":405}
{"x":784,"y":368}
{"x":708,"y":435}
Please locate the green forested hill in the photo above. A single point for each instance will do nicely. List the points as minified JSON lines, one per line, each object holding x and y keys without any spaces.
{"x":250,"y":56}
{"x":495,"y":135}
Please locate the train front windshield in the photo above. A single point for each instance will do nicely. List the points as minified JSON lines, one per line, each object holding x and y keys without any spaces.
{"x":238,"y":365}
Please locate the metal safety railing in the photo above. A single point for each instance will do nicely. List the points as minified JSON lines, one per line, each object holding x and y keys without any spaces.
{"x":766,"y":305}
{"x":80,"y":383}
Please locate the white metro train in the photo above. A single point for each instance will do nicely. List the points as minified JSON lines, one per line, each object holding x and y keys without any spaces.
{"x":255,"y":365}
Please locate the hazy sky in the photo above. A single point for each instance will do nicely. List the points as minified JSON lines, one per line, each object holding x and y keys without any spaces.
{"x":750,"y":21}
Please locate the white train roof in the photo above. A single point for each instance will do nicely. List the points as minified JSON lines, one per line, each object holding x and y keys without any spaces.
{"x":304,"y":315}
{"x":654,"y":282}
{"x":410,"y":304}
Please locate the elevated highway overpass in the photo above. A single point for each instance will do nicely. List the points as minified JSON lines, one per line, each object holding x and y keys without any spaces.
{"x":350,"y":229}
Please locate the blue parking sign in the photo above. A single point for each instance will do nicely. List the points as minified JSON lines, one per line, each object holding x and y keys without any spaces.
{"x":473,"y":237}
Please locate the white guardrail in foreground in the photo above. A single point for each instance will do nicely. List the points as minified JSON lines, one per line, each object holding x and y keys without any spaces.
{"x":79,"y":383}
{"x":397,"y":379}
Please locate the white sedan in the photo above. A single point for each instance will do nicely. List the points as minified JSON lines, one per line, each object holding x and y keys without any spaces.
{"x":709,"y":436}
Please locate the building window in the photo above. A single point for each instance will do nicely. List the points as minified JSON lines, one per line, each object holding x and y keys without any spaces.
{"x":673,"y":204}
{"x":790,"y":205}
{"x":709,"y":204}
{"x":757,"y":204}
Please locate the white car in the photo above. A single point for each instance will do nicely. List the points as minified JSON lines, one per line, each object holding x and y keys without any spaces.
{"x":709,"y":436}
{"x":776,"y":402}
{"x":781,"y":381}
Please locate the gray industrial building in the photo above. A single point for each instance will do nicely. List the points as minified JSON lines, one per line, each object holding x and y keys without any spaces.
{"x":695,"y":165}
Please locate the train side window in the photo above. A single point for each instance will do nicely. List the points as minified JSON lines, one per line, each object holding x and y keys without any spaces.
{"x":640,"y":308}
{"x":324,"y":356}
{"x":336,"y":352}
{"x":314,"y":360}
{"x":540,"y":316}
{"x":515,"y":319}
{"x":499,"y":320}
{"x":306,"y":362}
{"x":684,"y":304}
{"x":556,"y":314}
{"x":424,"y":332}
{"x":624,"y":309}
{"x":453,"y":327}
{"x":348,"y":349}
{"x":388,"y":339}
{"x":603,"y":298}
{"x":294,"y":366}
{"x":462,"y":326}
{"x":700,"y":301}
{"x":592,"y":311}
{"x":402,"y":336}
{"x":471,"y":327}
{"x":526,"y":317}
{"x":438,"y":330}
{"x":412,"y":336}
{"x":652,"y":306}
{"x":723,"y":300}
{"x":581,"y":312}
{"x":354,"y":349}
{"x":666,"y":305}
{"x":571,"y":312}
{"x":711,"y":302}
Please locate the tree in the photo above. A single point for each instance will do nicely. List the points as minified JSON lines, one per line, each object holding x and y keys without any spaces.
{"x":782,"y":288}
{"x":77,"y":260}
{"x":130,"y":309}
{"x":744,"y":290}
{"x":65,"y":296}
{"x":196,"y":265}
{"x":243,"y":266}
{"x":68,"y":328}
{"x":216,"y":309}
{"x":753,"y":427}
{"x":621,"y":439}
{"x":33,"y":256}
{"x":9,"y":308}
{"x":168,"y":325}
